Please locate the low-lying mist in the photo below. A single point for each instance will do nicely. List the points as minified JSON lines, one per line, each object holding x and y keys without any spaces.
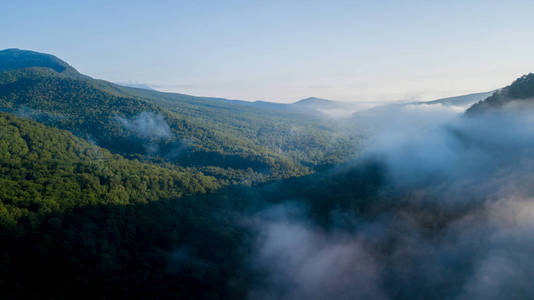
{"x":453,"y":217}
{"x":153,"y":133}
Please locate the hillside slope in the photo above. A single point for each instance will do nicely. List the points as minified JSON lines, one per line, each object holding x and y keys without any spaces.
{"x":47,"y":170}
{"x":218,"y":134}
{"x":520,"y":93}
{"x":105,"y":224}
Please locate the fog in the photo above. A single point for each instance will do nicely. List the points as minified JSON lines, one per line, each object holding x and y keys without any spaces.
{"x":36,"y":114}
{"x":455,"y":221}
{"x":306,"y":262}
{"x":147,"y":124}
{"x":155,"y":133}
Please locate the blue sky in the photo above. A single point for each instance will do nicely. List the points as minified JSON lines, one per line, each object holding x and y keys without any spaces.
{"x":285,"y":50}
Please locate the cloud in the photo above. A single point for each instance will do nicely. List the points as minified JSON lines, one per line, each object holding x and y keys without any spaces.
{"x":37,"y":115}
{"x":454,"y":218}
{"x":304,"y":262}
{"x":147,"y":124}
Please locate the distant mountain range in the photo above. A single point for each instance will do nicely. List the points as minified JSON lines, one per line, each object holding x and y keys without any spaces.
{"x":464,"y":100}
{"x":136,"y":85}
{"x":316,"y":102}
{"x":334,"y":108}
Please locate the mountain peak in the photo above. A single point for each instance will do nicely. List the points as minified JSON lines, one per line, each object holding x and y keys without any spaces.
{"x":12,"y":59}
{"x":313,"y":101}
{"x":520,"y":92}
{"x":522,"y":87}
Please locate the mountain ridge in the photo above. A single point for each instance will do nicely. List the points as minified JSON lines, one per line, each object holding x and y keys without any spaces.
{"x":520,"y":93}
{"x":14,"y":58}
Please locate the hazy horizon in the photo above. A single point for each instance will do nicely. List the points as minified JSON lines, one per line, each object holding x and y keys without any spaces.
{"x":283,"y":52}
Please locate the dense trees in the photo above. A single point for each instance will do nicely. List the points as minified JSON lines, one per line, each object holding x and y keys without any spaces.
{"x":78,"y":220}
{"x":44,"y":169}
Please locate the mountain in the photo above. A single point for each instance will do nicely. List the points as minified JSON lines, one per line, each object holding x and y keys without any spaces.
{"x":318,"y":107}
{"x":110,"y":190}
{"x":12,"y":59}
{"x":519,"y":94}
{"x":80,"y":222}
{"x":458,"y":101}
{"x":56,"y":169}
{"x":336,"y":108}
{"x":316,"y":102}
{"x":464,"y":100}
{"x":333,"y":109}
{"x":222,"y":137}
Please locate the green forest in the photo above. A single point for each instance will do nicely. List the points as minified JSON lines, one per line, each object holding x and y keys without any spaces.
{"x":111,"y":192}
{"x":68,"y":206}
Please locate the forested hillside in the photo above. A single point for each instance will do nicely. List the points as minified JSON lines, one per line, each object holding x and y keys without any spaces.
{"x":517,"y":95}
{"x":122,"y":228}
{"x":114,"y":188}
{"x":94,"y":217}
{"x":46,"y":170}
{"x":222,"y":136}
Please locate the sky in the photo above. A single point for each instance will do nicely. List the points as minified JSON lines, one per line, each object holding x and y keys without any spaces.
{"x":283,"y":51}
